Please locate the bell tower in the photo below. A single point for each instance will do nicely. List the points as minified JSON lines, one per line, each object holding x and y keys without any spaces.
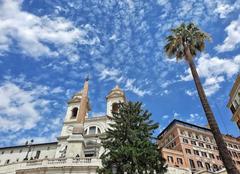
{"x":75,"y":109}
{"x":71,"y":141}
{"x":115,"y":96}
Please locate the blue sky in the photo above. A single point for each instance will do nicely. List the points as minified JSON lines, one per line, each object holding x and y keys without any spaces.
{"x":47,"y":47}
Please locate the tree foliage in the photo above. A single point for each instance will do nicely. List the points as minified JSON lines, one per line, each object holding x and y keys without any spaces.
{"x":185,"y":36}
{"x":129,"y":142}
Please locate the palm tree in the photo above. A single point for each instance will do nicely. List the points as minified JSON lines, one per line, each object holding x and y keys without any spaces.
{"x":184,"y":43}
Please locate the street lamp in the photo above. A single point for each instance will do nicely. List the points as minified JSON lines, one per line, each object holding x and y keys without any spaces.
{"x":29,"y":148}
{"x":114,"y":169}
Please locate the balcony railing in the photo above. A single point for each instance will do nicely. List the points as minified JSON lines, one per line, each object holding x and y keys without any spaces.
{"x":60,"y":162}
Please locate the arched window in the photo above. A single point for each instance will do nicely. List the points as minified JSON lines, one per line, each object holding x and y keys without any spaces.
{"x":208,"y":166}
{"x":74,"y":112}
{"x":215,"y":167}
{"x":92,"y":130}
{"x":115,"y":107}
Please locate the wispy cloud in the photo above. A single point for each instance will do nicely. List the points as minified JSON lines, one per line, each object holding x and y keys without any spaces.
{"x":233,"y":37}
{"x":214,"y":70}
{"x":131,"y":87}
{"x":39,"y":36}
{"x":19,"y":107}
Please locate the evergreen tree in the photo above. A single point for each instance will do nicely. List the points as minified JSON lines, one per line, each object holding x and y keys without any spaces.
{"x":129,"y":143}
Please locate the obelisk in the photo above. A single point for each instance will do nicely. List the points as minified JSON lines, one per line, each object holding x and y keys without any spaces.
{"x":76,"y":142}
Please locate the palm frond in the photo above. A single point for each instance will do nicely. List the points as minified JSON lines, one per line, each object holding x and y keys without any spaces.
{"x":185,"y":36}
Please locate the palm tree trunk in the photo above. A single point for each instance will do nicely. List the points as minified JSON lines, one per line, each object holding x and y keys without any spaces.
{"x":224,"y":153}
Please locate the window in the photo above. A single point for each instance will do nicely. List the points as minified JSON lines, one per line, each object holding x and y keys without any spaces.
{"x":182,"y":132}
{"x":180,"y":161}
{"x":115,"y":107}
{"x":197,"y":136}
{"x":230,"y":153}
{"x":170,"y":159}
{"x":7,"y":161}
{"x":215,"y":167}
{"x":2,"y":152}
{"x":211,"y":156}
{"x":232,"y":108}
{"x":199,"y":163}
{"x":11,"y":151}
{"x":236,"y":103}
{"x":218,"y":157}
{"x":190,"y":134}
{"x":48,"y":148}
{"x":191,"y":163}
{"x":215,"y":148}
{"x":230,"y":145}
{"x":74,"y":112}
{"x":196,"y":152}
{"x":188,"y":151}
{"x":238,"y":162}
{"x":204,"y":154}
{"x":193,"y":142}
{"x":20,"y":150}
{"x":235,"y":146}
{"x":37,"y":154}
{"x":208,"y":166}
{"x":235,"y":154}
{"x":201,"y":144}
{"x":98,"y":131}
{"x":208,"y":146}
{"x":92,"y":130}
{"x":185,"y":140}
{"x":17,"y":160}
{"x":89,"y":155}
{"x":238,"y":124}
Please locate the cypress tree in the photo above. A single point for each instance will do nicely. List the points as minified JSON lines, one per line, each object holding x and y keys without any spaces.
{"x":129,"y":143}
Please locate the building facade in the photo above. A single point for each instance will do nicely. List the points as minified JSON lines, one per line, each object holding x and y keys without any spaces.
{"x":234,"y":101}
{"x":77,"y":149}
{"x":189,"y":146}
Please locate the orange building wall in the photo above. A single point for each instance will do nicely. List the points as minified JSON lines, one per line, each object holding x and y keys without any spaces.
{"x":178,"y":138}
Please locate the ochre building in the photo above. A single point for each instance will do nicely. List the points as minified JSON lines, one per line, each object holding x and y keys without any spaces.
{"x":192,"y":147}
{"x":234,"y":101}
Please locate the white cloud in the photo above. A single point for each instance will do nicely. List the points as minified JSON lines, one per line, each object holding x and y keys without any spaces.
{"x":110,"y":74}
{"x":19,"y":107}
{"x":233,"y":37}
{"x":224,"y":9}
{"x":115,"y":75}
{"x":33,"y":34}
{"x":57,"y":90}
{"x":131,"y":87}
{"x":165,"y":116}
{"x":214,"y":70}
{"x":162,"y":2}
{"x":190,"y":92}
{"x":37,"y":139}
{"x":194,"y":118}
{"x":176,"y":115}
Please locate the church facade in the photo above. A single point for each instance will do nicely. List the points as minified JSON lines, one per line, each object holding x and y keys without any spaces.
{"x":78,"y":147}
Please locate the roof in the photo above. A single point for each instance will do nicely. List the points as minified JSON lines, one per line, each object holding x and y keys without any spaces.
{"x":116,"y":92}
{"x":175,"y":121}
{"x":18,"y":146}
